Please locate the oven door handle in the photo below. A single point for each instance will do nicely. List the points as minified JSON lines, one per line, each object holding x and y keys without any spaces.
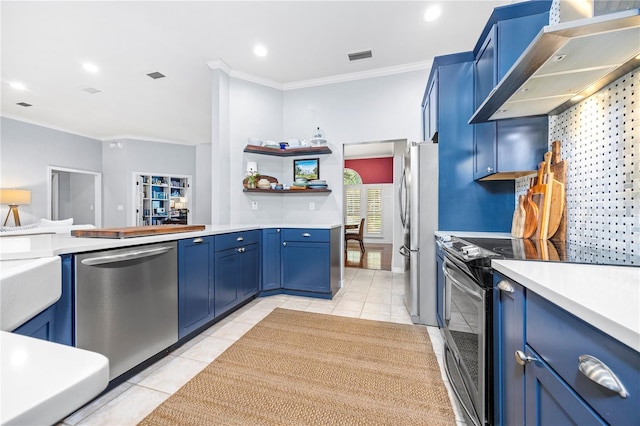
{"x":464,"y":288}
{"x":446,"y":295}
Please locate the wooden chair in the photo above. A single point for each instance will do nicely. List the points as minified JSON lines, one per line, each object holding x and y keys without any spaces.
{"x":357,"y":236}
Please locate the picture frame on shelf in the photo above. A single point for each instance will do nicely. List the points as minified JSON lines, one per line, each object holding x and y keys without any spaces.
{"x":308,"y":168}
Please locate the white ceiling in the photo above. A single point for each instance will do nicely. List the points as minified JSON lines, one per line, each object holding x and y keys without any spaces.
{"x":45,"y":43}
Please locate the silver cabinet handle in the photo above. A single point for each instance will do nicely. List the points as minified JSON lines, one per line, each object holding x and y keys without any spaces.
{"x":130,"y":255}
{"x":284,"y":244}
{"x":306,"y":234}
{"x":597,"y":371}
{"x":241,"y":250}
{"x":506,"y":287}
{"x":239,"y":239}
{"x":278,"y":230}
{"x":523,"y":359}
{"x":198,"y":240}
{"x":489,"y":169}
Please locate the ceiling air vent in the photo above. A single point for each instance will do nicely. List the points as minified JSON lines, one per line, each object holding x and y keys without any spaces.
{"x":156,"y":75}
{"x":360,"y":55}
{"x":91,"y":90}
{"x":24,"y":104}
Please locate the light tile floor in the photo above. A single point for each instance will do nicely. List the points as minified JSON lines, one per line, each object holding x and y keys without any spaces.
{"x":368,"y":294}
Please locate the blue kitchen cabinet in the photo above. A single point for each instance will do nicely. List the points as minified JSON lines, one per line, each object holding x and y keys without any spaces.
{"x":550,"y":401}
{"x":195,"y":284}
{"x":55,"y":323}
{"x":553,"y":344}
{"x":311,"y":261}
{"x":515,"y":145}
{"x":430,"y":110}
{"x":236,"y":269}
{"x":509,"y":333}
{"x":271,"y":259}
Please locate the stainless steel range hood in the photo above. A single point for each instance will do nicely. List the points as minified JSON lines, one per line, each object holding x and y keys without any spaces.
{"x":564,"y":64}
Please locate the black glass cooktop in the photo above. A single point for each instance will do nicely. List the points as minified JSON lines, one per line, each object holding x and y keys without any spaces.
{"x":558,"y":251}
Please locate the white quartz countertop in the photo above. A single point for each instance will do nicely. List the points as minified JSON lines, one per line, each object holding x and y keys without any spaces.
{"x":607,"y":297}
{"x":35,"y":246}
{"x":42,"y":382}
{"x":473,"y":234}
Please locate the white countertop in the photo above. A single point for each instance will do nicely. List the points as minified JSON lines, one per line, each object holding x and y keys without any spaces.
{"x":35,"y":246}
{"x":473,"y":234}
{"x":27,"y":287}
{"x":607,"y":297}
{"x":42,"y":382}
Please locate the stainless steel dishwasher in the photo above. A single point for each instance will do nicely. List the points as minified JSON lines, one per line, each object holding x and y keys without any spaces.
{"x":127,"y":303}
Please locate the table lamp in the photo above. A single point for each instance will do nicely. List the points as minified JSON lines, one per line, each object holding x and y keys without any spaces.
{"x":14,"y":197}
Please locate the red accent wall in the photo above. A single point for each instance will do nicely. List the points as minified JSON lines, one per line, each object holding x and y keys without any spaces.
{"x":372,"y":170}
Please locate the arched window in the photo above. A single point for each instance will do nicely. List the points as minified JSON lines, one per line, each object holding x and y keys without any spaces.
{"x":351,"y":177}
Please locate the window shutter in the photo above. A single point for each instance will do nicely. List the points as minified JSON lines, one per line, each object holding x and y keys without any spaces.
{"x":353,"y":206}
{"x":374,"y":211}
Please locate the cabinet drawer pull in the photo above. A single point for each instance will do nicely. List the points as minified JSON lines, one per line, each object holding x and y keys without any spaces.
{"x":306,"y":234}
{"x":241,"y":250}
{"x":197,"y":240}
{"x":523,"y":359}
{"x":284,"y":244}
{"x":239,"y":239}
{"x":597,"y":371}
{"x":506,"y":287}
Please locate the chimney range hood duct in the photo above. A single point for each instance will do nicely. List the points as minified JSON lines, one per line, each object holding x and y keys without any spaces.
{"x":564,"y":64}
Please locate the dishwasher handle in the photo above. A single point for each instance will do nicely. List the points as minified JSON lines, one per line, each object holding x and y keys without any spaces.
{"x":123,"y":257}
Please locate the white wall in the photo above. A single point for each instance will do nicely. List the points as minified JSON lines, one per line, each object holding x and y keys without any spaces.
{"x":26,"y":152}
{"x":126,"y":156}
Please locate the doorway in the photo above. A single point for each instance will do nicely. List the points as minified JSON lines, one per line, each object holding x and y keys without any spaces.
{"x":378,"y":204}
{"x":74,"y":193}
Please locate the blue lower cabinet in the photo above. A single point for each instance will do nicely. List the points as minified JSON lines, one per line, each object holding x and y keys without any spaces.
{"x":55,"y":323}
{"x":195,"y":283}
{"x":249,"y":272}
{"x":227,"y":268}
{"x":509,"y":337}
{"x":550,"y":401}
{"x":237,"y":269}
{"x":306,"y":267}
{"x":271,"y":259}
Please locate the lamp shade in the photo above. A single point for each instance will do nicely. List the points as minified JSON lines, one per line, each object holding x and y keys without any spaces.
{"x":252,"y":167}
{"x":15,"y":196}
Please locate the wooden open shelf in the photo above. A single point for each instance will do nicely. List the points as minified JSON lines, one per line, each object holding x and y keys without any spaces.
{"x":289,"y":152}
{"x":287,"y":191}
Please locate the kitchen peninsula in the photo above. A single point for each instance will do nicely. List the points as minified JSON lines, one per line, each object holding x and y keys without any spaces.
{"x":229,"y":253}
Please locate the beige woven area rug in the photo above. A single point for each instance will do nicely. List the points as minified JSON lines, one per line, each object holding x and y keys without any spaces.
{"x":301,"y":368}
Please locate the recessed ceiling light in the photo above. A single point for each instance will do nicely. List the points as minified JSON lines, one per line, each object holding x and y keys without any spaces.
{"x":260,"y":50}
{"x":18,"y":86}
{"x":90,"y":67}
{"x":91,"y":90}
{"x":432,"y":13}
{"x":24,"y":104}
{"x":156,"y":75}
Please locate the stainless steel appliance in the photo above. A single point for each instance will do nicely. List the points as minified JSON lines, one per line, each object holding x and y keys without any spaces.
{"x":127,"y":303}
{"x":418,"y":196}
{"x":467,"y":328}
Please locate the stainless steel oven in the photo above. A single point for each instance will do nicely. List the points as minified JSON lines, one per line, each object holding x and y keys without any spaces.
{"x":467,"y":326}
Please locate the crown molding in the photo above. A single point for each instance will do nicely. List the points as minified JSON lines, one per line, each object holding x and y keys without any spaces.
{"x":118,"y":138}
{"x":49,"y":126}
{"x":361,"y":75}
{"x":341,"y":78}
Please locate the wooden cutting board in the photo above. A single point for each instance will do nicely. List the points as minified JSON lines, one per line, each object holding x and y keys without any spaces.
{"x":531,"y":216}
{"x":540,"y":198}
{"x":559,"y":169}
{"x":135,"y":231}
{"x":519,"y":216}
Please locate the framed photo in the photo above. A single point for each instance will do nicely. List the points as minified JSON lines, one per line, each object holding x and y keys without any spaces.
{"x":308,"y":168}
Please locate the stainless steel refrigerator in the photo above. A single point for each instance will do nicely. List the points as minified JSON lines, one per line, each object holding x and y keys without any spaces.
{"x":418,"y":197}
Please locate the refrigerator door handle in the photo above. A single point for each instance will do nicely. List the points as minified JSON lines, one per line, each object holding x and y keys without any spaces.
{"x":402,"y":201}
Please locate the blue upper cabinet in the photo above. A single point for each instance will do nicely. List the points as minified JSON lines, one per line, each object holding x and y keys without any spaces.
{"x":510,"y":148}
{"x":430,"y":110}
